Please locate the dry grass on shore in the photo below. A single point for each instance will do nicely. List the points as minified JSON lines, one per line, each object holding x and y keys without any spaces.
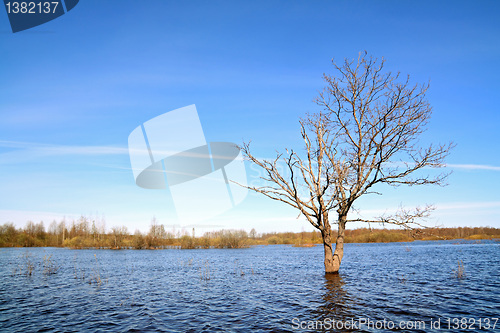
{"x":81,"y":235}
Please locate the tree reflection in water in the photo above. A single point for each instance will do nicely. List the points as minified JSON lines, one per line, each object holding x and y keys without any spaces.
{"x":336,"y":306}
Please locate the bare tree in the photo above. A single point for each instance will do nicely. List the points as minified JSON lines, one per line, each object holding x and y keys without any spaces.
{"x":154,"y":233}
{"x":54,"y":237}
{"x":61,"y":229}
{"x":119,"y":234}
{"x":365,"y":135}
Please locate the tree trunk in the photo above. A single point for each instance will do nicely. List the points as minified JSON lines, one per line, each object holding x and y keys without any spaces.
{"x":333,"y":259}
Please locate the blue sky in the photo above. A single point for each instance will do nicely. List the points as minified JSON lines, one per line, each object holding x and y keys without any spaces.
{"x":73,"y":89}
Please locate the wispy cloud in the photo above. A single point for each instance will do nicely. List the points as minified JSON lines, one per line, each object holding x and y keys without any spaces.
{"x":25,"y":151}
{"x":439,"y":207}
{"x":63,"y":149}
{"x":468,"y":205}
{"x":474,"y":167}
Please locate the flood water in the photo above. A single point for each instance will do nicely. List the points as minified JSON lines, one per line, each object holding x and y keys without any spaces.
{"x":260,"y":289}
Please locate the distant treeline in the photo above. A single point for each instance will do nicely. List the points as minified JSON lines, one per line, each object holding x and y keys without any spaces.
{"x":87,"y":233}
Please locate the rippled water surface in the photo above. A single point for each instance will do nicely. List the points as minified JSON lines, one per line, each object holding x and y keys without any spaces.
{"x":267,"y":289}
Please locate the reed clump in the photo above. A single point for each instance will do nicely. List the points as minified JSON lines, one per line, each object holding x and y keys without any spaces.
{"x":402,"y":279}
{"x":238,"y":270}
{"x":460,"y":271}
{"x":205,"y":271}
{"x":49,"y":265}
{"x":96,"y":278}
{"x":26,"y":266}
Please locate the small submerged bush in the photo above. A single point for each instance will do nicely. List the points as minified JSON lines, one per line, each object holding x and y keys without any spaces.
{"x":298,"y":244}
{"x":273,"y":240}
{"x":188,"y":242}
{"x":79,"y":242}
{"x":378,"y":237}
{"x":230,"y":239}
{"x":223,"y":239}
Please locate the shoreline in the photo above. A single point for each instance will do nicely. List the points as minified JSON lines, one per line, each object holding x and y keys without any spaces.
{"x":469,"y":240}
